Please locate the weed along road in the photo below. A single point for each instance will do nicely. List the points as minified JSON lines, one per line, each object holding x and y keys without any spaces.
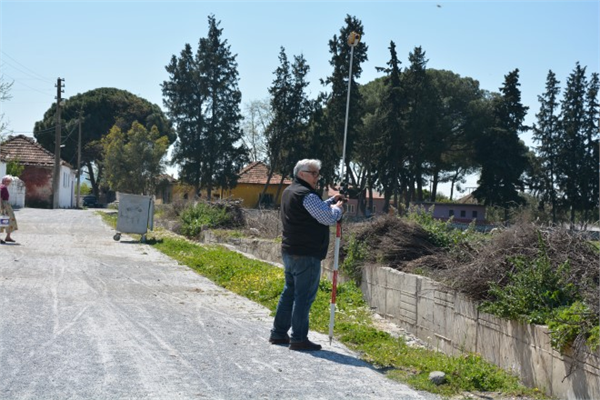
{"x":85,"y":317}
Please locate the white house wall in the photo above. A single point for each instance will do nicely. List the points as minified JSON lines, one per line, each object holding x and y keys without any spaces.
{"x":66,"y":192}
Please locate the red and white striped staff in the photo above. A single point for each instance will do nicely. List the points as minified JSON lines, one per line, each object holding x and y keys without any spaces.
{"x":353,"y":40}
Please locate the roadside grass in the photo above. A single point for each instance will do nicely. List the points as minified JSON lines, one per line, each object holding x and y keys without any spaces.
{"x":262,"y":282}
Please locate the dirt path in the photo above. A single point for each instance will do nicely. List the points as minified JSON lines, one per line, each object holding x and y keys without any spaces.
{"x":85,"y":317}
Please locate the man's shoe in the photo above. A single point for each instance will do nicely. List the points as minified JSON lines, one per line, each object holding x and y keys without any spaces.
{"x":285,"y":340}
{"x":307,"y":345}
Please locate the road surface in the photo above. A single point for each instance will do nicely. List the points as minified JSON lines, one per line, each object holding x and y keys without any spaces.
{"x":85,"y":317}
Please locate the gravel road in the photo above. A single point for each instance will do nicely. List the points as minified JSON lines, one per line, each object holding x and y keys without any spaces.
{"x":85,"y":317}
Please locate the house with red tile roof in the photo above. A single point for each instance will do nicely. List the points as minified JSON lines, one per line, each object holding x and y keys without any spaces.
{"x":37,"y":175}
{"x":250,"y":185}
{"x":352,"y":206}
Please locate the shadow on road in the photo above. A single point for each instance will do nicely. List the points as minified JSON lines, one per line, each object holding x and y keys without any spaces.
{"x":341,"y":359}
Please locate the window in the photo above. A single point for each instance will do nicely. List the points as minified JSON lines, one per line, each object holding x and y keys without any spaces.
{"x":474,"y":214}
{"x":463,"y":214}
{"x":451,"y":213}
{"x":349,"y":208}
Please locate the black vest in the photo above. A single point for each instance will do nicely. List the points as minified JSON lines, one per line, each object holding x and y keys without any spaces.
{"x":303,"y":235}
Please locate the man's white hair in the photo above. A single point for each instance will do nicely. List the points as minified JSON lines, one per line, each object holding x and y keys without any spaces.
{"x":306,"y":164}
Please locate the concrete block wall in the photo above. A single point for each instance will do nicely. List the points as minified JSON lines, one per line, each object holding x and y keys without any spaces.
{"x":450,"y":322}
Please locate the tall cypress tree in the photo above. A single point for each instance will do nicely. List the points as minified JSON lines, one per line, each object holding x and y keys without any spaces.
{"x":570,"y":168}
{"x":499,"y":151}
{"x":336,"y":101}
{"x":591,"y":127}
{"x":545,"y":133}
{"x":392,"y":143}
{"x":203,"y":100}
{"x":287,"y":140}
{"x":421,"y":120}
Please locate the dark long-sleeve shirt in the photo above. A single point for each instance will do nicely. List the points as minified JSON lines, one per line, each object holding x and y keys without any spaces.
{"x":4,"y":192}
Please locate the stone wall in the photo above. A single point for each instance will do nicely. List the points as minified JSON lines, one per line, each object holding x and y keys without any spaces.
{"x":451,"y":323}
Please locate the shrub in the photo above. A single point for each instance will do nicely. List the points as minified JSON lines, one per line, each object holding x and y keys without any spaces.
{"x":441,"y":233}
{"x":356,"y":252}
{"x":205,"y":215}
{"x":534,"y":291}
{"x":569,"y":322}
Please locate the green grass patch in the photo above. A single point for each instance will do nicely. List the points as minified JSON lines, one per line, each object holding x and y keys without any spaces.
{"x":262,"y":282}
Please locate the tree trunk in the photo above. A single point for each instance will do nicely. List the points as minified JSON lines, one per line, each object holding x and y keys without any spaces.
{"x":279,"y":190}
{"x":264,"y":188}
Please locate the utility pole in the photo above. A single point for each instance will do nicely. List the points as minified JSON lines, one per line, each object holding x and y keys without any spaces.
{"x":57,"y":140}
{"x":78,"y":158}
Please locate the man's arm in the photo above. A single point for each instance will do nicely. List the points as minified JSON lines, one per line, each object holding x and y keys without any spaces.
{"x":325,"y":212}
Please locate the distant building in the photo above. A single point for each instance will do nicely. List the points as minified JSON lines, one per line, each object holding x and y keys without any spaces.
{"x":352,"y":207}
{"x":464,"y":210}
{"x":251,"y":183}
{"x":163,"y":193}
{"x":37,"y":175}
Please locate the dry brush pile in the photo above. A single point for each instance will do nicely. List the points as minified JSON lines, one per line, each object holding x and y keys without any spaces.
{"x":483,"y":266}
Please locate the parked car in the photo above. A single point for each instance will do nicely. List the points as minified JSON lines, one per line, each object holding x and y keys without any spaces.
{"x":90,"y":201}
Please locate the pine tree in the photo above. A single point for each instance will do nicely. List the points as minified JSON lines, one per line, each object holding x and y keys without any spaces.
{"x":545,"y":133}
{"x":499,"y":151}
{"x":337,"y":98}
{"x":203,"y":100}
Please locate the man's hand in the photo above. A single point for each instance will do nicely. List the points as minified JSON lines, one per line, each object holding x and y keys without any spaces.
{"x":339,"y":197}
{"x":340,"y":205}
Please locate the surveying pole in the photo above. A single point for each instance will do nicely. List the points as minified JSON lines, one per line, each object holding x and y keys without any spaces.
{"x":353,"y":40}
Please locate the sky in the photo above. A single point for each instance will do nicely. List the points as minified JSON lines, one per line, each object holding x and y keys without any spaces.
{"x":127,"y":44}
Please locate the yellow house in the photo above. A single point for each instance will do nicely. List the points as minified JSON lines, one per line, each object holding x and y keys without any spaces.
{"x":251,"y":183}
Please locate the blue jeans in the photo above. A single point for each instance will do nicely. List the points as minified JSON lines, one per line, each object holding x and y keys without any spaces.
{"x":302,"y":275}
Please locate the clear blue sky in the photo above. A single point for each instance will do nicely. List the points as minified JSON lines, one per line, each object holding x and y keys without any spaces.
{"x":126,"y":45}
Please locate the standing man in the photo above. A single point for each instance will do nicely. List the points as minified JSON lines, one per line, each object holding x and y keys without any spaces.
{"x":306,"y":219}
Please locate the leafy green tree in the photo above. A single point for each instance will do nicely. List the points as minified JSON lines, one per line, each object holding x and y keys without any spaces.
{"x":545,"y":132}
{"x":337,"y":98}
{"x":133,"y":160}
{"x":84,"y":189}
{"x":99,"y":110}
{"x":570,"y":169}
{"x":449,"y":148}
{"x":500,"y":152}
{"x":203,"y":100}
{"x":14,"y":167}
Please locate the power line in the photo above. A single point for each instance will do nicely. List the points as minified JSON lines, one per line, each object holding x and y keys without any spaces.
{"x":27,"y":71}
{"x":21,"y":83}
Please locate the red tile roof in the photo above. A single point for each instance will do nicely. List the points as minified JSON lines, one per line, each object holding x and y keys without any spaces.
{"x":27,"y":151}
{"x":257,"y":173}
